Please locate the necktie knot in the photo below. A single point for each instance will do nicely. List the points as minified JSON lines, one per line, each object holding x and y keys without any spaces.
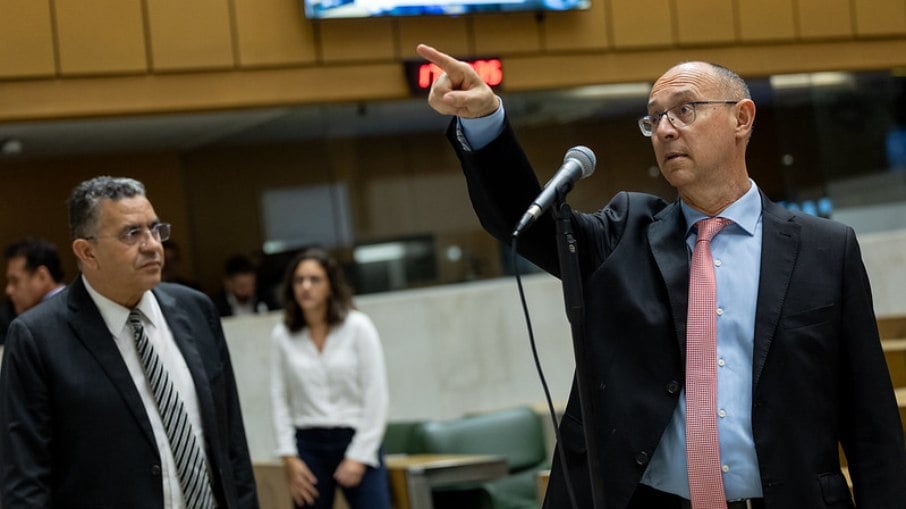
{"x":135,"y":323}
{"x":709,"y":227}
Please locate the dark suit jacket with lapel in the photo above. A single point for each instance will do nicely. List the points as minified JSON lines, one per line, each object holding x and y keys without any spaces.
{"x":74,"y":431}
{"x":819,"y":372}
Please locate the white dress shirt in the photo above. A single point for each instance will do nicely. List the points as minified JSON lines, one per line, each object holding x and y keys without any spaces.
{"x":345,"y":385}
{"x":161,"y":338}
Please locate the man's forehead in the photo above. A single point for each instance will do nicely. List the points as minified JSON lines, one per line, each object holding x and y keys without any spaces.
{"x":135,"y":208}
{"x":683,"y":81}
{"x":15,"y":264}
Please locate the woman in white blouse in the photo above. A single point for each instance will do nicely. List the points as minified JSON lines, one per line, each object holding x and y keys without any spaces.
{"x":329,"y":390}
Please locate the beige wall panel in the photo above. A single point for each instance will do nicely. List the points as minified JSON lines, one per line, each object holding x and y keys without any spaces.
{"x":705,"y":21}
{"x":351,"y":40}
{"x":820,"y":19}
{"x":445,"y":33}
{"x":46,"y":99}
{"x":43,"y":99}
{"x":273,"y":32}
{"x":766,"y":20}
{"x":27,"y":40}
{"x":100,"y":36}
{"x":642,"y":23}
{"x":498,"y":34}
{"x":577,"y":30}
{"x":880,"y":17}
{"x":190,"y":35}
{"x":545,"y":72}
{"x":34,"y":193}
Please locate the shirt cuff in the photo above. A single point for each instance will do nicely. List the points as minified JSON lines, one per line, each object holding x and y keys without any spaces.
{"x":476,"y":133}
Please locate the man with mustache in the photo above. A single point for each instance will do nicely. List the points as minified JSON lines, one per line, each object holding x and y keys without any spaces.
{"x":120,"y":391}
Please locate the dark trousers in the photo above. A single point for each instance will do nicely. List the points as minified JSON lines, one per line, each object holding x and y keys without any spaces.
{"x":322,"y":450}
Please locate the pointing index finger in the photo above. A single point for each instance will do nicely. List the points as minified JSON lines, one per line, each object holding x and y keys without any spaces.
{"x":439,"y":58}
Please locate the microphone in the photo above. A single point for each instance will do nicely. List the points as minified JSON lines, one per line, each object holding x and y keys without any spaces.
{"x":578,"y":163}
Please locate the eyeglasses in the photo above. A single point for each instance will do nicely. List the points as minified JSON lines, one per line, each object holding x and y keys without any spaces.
{"x":681,"y":115}
{"x":136,"y":234}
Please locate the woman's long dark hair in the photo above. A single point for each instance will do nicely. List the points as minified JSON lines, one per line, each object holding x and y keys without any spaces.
{"x":338,"y":304}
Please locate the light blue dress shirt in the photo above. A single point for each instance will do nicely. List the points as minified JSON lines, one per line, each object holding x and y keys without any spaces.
{"x":736,"y":251}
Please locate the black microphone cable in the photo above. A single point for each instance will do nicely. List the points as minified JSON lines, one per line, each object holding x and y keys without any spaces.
{"x":547,"y":393}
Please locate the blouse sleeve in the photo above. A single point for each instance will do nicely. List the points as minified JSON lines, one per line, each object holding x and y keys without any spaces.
{"x":284,"y":432}
{"x":373,"y":379}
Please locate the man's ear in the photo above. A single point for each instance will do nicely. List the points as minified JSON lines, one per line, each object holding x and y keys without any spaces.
{"x":745,"y":118}
{"x":84,"y":251}
{"x":43,"y":273}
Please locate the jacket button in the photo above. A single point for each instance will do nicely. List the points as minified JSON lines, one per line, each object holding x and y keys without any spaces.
{"x":641,"y":459}
{"x":673,"y":388}
{"x":155,"y":470}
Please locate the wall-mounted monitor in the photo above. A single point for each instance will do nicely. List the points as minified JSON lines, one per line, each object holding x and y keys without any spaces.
{"x":319,"y":9}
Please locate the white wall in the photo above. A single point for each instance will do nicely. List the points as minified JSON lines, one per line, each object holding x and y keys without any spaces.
{"x":457,"y":349}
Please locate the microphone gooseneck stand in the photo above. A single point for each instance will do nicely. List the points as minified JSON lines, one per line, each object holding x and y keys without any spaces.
{"x":571,"y":279}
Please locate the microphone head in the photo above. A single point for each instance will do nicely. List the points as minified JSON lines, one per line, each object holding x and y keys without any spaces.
{"x":584,"y":156}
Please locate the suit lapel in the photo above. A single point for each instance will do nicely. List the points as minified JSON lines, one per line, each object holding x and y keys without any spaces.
{"x":779,"y":250}
{"x":90,"y":329}
{"x":184,"y":333}
{"x":668,"y":245}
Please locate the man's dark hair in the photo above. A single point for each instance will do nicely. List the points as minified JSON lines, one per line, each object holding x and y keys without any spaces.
{"x":238,"y":264}
{"x":37,"y":252}
{"x":84,"y":200}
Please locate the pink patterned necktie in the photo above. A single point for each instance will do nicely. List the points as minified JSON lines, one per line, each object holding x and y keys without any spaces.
{"x":706,"y":484}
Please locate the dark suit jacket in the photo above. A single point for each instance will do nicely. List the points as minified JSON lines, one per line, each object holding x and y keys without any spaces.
{"x":73,"y":431}
{"x":819,"y":374}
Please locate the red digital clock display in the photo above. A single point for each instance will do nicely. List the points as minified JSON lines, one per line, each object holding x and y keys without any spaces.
{"x":421,"y":75}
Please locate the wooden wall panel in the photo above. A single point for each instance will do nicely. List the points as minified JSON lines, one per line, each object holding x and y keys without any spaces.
{"x":41,"y":188}
{"x":100,"y":36}
{"x":880,"y":18}
{"x":705,"y":21}
{"x":642,"y":23}
{"x":498,"y":34}
{"x":357,"y":40}
{"x":819,"y":19}
{"x":577,"y":30}
{"x":273,"y":33}
{"x":190,"y":35}
{"x":445,"y":33}
{"x":27,"y":40}
{"x":766,"y":20}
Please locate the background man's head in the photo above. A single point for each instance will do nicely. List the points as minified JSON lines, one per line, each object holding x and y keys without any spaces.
{"x":117,"y":237}
{"x":239,"y":278}
{"x":33,"y":270}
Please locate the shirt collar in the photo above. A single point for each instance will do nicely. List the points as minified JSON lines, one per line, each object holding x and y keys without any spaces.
{"x":744,"y":212}
{"x":116,"y":316}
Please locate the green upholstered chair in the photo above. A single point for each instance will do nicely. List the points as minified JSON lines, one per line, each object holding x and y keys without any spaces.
{"x":402,"y":437}
{"x":515,"y":434}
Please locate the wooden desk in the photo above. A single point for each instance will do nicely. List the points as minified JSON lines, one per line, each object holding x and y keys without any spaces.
{"x":413,"y":476}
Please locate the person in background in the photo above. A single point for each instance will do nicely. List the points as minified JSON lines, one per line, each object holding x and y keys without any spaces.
{"x":240,"y":296}
{"x":119,"y":392}
{"x":732,"y":347}
{"x":34,"y":273}
{"x":328,"y":390}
